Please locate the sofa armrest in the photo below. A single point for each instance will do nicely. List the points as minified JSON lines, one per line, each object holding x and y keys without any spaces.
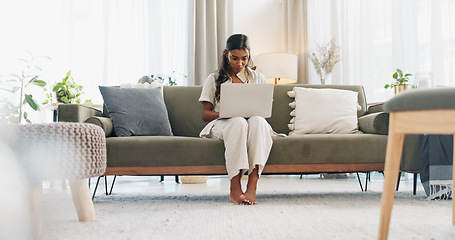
{"x":379,"y":107}
{"x":76,"y":112}
{"x":104,"y":122}
{"x":377,"y":123}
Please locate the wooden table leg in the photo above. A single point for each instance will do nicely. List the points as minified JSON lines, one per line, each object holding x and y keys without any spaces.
{"x":391,"y":169}
{"x":36,"y":206}
{"x":82,"y":200}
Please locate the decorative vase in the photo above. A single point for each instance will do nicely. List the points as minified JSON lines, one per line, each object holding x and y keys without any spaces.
{"x":324,"y":77}
{"x":400,"y":88}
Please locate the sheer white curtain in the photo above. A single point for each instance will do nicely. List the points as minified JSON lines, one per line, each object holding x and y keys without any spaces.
{"x":114,"y":42}
{"x":103,"y":42}
{"x":212,"y":21}
{"x":378,"y":36}
{"x":297,"y":35}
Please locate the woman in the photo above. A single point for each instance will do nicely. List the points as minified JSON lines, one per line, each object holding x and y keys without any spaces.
{"x":247,"y":141}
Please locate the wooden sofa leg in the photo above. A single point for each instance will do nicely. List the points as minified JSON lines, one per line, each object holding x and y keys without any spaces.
{"x":82,"y":200}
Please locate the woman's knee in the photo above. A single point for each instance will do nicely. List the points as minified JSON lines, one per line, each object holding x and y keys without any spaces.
{"x":257,"y":121}
{"x":238,"y":123}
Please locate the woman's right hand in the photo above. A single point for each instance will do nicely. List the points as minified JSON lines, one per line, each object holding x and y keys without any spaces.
{"x":208,"y":114}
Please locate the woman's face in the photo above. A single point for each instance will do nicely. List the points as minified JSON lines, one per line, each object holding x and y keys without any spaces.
{"x":238,"y":59}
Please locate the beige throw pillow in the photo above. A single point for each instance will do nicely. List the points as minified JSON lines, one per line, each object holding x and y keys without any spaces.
{"x":323,"y":111}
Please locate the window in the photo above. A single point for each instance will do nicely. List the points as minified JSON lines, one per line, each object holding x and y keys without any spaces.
{"x":102,"y":42}
{"x":378,"y":36}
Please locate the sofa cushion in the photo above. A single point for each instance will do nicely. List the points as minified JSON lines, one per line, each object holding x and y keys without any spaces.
{"x":154,"y":151}
{"x":137,"y":111}
{"x":323,"y":111}
{"x":185,"y":110}
{"x":281,"y":109}
{"x":159,"y":151}
{"x":328,"y":148}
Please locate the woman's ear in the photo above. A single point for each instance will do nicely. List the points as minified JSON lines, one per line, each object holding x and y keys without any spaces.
{"x":225,"y":53}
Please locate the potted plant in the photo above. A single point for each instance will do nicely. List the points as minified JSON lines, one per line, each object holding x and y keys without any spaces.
{"x":19,"y":85}
{"x":66,"y":91}
{"x":400,"y":82}
{"x":169,"y":80}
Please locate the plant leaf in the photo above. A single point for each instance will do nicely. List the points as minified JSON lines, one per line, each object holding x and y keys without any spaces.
{"x":57,"y":87}
{"x":395,"y":75}
{"x":14,"y":89}
{"x":23,"y":60}
{"x":26,"y":117}
{"x":31,"y":102}
{"x":33,"y":79}
{"x":14,"y":75}
{"x":40,"y":83}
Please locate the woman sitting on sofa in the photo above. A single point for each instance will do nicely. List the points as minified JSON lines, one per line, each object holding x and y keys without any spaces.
{"x":247,"y":141}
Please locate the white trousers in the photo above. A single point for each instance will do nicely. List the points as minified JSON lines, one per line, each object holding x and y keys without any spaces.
{"x":247,"y":142}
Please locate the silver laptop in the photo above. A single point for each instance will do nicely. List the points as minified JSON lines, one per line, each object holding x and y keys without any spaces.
{"x":246,"y":100}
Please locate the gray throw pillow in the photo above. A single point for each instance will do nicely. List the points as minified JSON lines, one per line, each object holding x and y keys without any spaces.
{"x":137,"y":111}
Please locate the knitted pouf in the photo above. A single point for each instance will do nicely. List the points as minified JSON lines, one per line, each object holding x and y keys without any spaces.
{"x":60,"y":150}
{"x":73,"y":151}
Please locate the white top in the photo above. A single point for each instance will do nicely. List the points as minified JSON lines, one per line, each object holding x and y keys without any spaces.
{"x":209,"y":88}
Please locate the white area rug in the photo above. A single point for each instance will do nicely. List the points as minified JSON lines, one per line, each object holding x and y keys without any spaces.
{"x":313,"y":209}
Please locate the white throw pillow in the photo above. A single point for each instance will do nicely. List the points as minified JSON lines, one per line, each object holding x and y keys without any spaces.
{"x":323,"y":111}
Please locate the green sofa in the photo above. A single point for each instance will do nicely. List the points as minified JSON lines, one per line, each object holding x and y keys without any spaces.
{"x":187,"y":154}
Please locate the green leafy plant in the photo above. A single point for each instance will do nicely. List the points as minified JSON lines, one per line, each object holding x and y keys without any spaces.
{"x":163,"y":78}
{"x":66,"y":91}
{"x":19,"y":85}
{"x":400,"y":79}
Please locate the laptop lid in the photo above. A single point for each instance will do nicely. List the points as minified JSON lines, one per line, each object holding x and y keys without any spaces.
{"x":246,"y":100}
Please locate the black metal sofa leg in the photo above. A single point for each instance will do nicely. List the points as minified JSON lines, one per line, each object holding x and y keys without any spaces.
{"x":398,"y":181}
{"x":96,"y":187}
{"x":360,"y":183}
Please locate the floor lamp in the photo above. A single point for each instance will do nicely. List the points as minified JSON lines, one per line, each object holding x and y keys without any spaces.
{"x":278,"y":68}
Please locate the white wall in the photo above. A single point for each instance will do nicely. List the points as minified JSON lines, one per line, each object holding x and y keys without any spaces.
{"x":263,"y":22}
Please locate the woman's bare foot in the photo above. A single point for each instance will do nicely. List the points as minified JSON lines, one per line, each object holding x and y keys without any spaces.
{"x":250,"y":193}
{"x":239,"y":199}
{"x":237,"y":196}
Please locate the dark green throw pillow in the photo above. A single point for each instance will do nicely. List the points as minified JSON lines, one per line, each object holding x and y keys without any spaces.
{"x":137,"y":111}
